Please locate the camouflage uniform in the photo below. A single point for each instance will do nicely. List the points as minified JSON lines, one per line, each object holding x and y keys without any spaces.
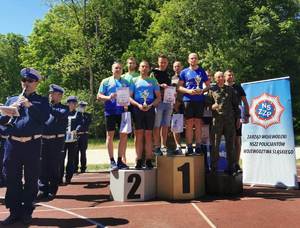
{"x":223,"y":122}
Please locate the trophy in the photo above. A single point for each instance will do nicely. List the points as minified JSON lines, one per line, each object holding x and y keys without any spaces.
{"x":145,"y":95}
{"x":198,"y":80}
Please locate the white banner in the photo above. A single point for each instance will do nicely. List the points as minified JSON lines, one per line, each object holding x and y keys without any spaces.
{"x":268,"y":140}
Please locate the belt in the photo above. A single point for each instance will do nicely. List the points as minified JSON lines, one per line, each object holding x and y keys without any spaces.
{"x":25,"y":139}
{"x":53,"y":136}
{"x":81,"y":133}
{"x":4,"y":136}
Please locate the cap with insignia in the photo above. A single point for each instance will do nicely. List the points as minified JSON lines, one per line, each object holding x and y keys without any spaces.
{"x":55,"y":88}
{"x":82,"y":103}
{"x":72,"y":99}
{"x":31,"y":73}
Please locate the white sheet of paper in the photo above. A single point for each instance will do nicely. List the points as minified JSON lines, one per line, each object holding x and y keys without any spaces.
{"x":123,"y":96}
{"x":9,"y":111}
{"x":169,"y":95}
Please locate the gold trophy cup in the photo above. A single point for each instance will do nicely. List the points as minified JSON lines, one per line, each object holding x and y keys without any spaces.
{"x":145,"y":95}
{"x":198,"y":80}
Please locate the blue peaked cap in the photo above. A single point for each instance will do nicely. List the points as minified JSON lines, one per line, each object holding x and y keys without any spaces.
{"x":72,"y":99}
{"x":82,"y":103}
{"x":56,"y":88}
{"x":31,"y":73}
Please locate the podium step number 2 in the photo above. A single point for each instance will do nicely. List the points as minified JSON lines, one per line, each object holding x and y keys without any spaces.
{"x":133,"y":185}
{"x":134,"y":178}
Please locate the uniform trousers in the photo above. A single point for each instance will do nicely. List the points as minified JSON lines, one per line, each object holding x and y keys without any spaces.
{"x":50,"y":165}
{"x":222,"y":125}
{"x":82,"y":147}
{"x":19,"y":157}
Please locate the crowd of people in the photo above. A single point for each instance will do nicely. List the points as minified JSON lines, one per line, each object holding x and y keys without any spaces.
{"x":38,"y":133}
{"x":217,"y":104}
{"x":34,"y":145}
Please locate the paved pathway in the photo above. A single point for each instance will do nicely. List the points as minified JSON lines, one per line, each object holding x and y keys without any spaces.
{"x":100,"y":156}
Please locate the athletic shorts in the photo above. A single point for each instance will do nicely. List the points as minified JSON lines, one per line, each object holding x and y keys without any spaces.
{"x":143,"y":120}
{"x":193,"y":109}
{"x":163,"y":113}
{"x":112,"y":122}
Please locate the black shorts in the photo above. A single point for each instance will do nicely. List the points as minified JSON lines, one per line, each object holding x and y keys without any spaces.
{"x":143,"y":120}
{"x":193,"y":109}
{"x":180,"y":109}
{"x":112,"y":121}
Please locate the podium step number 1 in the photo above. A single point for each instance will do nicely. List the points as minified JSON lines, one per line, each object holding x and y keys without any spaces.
{"x":185,"y":169}
{"x":180,"y":177}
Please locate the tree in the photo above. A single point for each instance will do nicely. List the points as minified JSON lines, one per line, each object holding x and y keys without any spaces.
{"x":10,"y":64}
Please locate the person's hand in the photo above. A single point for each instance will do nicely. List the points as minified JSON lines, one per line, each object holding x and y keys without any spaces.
{"x":199,"y":91}
{"x":192,"y":92}
{"x":113,"y":96}
{"x":164,"y":85}
{"x":126,"y":108}
{"x":25,"y":102}
{"x":215,"y":106}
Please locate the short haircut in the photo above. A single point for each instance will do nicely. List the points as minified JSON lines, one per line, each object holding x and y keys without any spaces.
{"x":162,"y":56}
{"x":131,"y":58}
{"x":145,"y":61}
{"x":228,"y":71}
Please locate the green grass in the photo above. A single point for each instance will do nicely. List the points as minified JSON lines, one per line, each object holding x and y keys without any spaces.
{"x":100,"y":143}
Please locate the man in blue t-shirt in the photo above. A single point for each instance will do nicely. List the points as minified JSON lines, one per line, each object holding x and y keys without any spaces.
{"x":113,"y":113}
{"x":191,"y":82}
{"x":146,"y":96}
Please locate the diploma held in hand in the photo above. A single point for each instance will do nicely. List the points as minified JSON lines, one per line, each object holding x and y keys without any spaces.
{"x":123,"y":96}
{"x":169,"y":95}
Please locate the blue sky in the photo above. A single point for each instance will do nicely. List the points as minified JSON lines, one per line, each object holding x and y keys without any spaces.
{"x":18,"y":16}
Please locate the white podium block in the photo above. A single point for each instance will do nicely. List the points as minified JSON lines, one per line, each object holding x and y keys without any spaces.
{"x":133,"y":185}
{"x":180,"y":177}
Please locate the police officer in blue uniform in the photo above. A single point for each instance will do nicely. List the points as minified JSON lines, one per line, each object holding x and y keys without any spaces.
{"x":82,"y":136}
{"x":53,"y":144}
{"x":23,"y":147}
{"x":71,"y":144}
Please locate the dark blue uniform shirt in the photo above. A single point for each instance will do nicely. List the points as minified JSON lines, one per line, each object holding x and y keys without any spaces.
{"x":58,"y":120}
{"x":31,"y":120}
{"x":85,"y":122}
{"x":75,"y":123}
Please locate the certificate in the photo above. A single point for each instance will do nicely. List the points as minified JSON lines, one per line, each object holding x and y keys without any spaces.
{"x":169,"y":95}
{"x":123,"y":96}
{"x":9,"y":111}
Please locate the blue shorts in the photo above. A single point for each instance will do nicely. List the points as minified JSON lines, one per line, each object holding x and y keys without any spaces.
{"x":163,"y":113}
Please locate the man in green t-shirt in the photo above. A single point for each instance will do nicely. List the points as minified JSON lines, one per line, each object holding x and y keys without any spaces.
{"x":131,"y":66}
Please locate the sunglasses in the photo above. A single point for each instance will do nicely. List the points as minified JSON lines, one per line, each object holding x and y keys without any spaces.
{"x":28,"y":80}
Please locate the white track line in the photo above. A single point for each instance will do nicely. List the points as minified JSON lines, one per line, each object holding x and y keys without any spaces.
{"x":74,"y":214}
{"x":204,"y":216}
{"x":92,"y":208}
{"x":100,"y":178}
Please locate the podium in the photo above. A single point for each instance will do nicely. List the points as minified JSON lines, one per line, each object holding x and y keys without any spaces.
{"x":180,"y":177}
{"x":224,"y":184}
{"x":133,"y":185}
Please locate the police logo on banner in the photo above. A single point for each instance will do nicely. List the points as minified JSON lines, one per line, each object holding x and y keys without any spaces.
{"x":266,"y":110}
